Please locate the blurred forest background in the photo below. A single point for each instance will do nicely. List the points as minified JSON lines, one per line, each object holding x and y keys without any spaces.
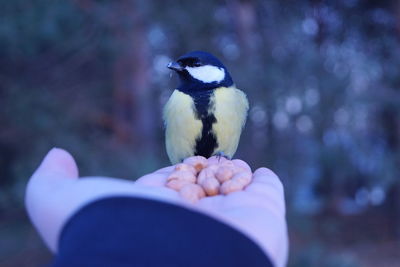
{"x":322,"y":78}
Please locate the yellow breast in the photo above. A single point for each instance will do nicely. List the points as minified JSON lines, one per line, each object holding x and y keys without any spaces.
{"x":182,"y":126}
{"x":230,"y":109}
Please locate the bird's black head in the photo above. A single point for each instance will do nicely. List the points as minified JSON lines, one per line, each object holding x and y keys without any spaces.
{"x":199,"y":71}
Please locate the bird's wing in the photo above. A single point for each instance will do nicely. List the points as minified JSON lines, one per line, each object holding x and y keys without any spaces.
{"x":182,"y":126}
{"x":230,"y":109}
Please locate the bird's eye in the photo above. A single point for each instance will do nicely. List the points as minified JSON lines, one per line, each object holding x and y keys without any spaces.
{"x":197,"y":64}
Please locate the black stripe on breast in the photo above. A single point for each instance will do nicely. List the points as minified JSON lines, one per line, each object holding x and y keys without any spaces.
{"x":207,"y":142}
{"x":206,"y":145}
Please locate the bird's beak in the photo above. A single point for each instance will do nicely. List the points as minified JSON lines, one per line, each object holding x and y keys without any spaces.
{"x":175,"y":66}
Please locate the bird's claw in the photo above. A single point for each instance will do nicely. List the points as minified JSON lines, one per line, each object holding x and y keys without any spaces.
{"x":221,"y":154}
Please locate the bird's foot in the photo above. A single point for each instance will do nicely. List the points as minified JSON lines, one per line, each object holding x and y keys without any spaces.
{"x":221,"y":154}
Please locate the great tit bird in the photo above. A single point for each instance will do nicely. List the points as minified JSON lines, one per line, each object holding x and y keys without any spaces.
{"x":205,"y":115}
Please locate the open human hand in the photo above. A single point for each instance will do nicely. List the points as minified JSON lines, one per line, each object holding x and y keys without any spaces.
{"x":54,"y":194}
{"x":257,"y":211}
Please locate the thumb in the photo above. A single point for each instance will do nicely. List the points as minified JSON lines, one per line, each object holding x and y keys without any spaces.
{"x":57,"y":164}
{"x":57,"y":167}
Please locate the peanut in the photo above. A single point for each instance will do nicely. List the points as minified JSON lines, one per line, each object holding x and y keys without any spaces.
{"x":203,"y":175}
{"x":198,"y":162}
{"x":228,"y":163}
{"x":177,"y":184}
{"x":217,"y":160}
{"x":210,"y":186}
{"x":198,"y":177}
{"x":182,"y":175}
{"x":244,"y":178}
{"x":185,"y":167}
{"x":241,"y":165}
{"x":192,"y":192}
{"x":212,"y":168}
{"x":224,"y":173}
{"x":230,"y":186}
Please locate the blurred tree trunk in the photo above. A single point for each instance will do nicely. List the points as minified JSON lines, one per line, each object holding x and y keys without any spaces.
{"x":320,"y":36}
{"x":244,"y":20}
{"x":390,"y":124}
{"x":133,"y":119}
{"x":397,"y":9}
{"x":133,"y":107}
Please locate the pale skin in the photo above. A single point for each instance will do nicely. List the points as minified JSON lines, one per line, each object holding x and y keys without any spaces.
{"x":55,"y":192}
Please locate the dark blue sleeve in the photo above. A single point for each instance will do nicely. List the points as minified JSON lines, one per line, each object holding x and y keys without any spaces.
{"x":126,"y":231}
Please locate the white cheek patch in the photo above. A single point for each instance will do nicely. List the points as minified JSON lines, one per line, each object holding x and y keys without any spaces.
{"x":207,"y":73}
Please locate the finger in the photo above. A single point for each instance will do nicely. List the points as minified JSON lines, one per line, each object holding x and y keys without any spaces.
{"x":267,"y":183}
{"x":41,"y":196}
{"x":168,"y":169}
{"x":266,"y":177}
{"x":57,"y":164}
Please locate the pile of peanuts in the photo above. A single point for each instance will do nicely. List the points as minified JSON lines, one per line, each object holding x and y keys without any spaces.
{"x":198,"y":177}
